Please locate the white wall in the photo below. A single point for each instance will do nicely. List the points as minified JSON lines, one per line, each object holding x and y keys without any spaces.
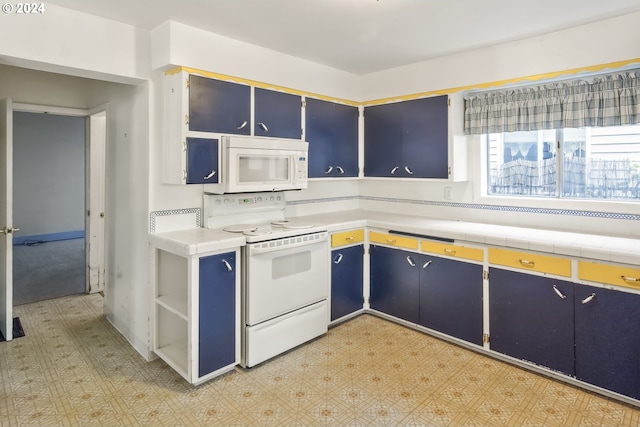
{"x":75,"y":43}
{"x":582,"y":47}
{"x":48,"y":173}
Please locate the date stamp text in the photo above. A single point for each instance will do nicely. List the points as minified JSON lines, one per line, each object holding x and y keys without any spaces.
{"x":23,"y":8}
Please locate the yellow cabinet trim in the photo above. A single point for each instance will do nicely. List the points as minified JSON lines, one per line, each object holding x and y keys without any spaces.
{"x":457,"y":251}
{"x":609,"y":274}
{"x":393,"y":240}
{"x":347,"y":238}
{"x":530,"y":261}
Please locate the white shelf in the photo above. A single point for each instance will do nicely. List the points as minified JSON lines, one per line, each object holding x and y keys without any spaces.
{"x":175,"y":354}
{"x":174,"y":303}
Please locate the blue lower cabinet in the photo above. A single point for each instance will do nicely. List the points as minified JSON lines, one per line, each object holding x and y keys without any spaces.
{"x":451,"y":298}
{"x":217,"y":308}
{"x":607,"y":337}
{"x":395,"y":282}
{"x":532,"y":318}
{"x":203,"y":166}
{"x":346,"y":281}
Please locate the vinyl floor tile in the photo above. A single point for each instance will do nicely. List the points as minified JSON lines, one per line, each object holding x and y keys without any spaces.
{"x":74,"y":369}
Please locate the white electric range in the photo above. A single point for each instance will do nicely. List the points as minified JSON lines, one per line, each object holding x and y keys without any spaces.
{"x":285,"y":272}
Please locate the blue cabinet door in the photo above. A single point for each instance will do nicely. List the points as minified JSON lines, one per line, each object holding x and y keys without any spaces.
{"x":383,"y":140}
{"x":277,"y":114}
{"x":531,"y":318}
{"x":219,"y":106}
{"x":395,"y":282}
{"x":451,"y":298}
{"x":608,"y":339}
{"x":425,"y":145}
{"x":346,"y":281}
{"x":331,"y":129}
{"x":217,"y":307}
{"x":203,"y":166}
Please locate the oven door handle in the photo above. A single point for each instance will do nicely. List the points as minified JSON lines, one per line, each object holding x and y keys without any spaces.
{"x":258,"y":248}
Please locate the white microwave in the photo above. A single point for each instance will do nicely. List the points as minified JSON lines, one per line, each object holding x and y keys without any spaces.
{"x":251,"y":164}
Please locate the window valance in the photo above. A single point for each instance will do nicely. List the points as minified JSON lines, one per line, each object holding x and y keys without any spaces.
{"x":609,"y":100}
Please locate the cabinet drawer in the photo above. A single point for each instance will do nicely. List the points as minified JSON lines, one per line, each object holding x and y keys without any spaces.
{"x":530,"y":261}
{"x":457,"y":251}
{"x":610,"y":274}
{"x":347,"y":238}
{"x":393,"y":240}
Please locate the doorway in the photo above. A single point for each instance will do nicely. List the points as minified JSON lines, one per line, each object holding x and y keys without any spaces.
{"x":49,"y":190}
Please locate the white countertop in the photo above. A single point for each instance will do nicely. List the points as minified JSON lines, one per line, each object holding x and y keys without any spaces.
{"x":597,"y":247}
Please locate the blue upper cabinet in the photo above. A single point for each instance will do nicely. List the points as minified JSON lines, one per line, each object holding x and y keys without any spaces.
{"x":219,"y":106}
{"x":407,"y":139}
{"x":331,"y":129}
{"x":203,"y":164}
{"x":277,"y":114}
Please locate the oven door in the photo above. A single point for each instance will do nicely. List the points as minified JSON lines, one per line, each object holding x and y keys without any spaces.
{"x":284,"y":275}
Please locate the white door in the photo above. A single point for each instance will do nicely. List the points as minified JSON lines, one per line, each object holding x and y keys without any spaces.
{"x":95,"y":196}
{"x":6,"y":218}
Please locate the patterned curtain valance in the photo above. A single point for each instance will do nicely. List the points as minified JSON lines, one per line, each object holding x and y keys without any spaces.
{"x":609,"y":100}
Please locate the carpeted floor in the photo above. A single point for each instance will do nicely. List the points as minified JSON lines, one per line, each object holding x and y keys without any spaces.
{"x":48,"y":270}
{"x":72,"y":368}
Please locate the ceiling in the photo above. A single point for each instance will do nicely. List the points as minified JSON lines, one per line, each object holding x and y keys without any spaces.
{"x":363,"y":36}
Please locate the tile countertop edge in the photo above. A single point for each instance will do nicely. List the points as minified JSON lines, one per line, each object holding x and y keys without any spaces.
{"x":598,"y":247}
{"x":196,"y":241}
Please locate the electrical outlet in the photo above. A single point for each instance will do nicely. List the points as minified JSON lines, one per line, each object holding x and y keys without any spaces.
{"x":447,"y":193}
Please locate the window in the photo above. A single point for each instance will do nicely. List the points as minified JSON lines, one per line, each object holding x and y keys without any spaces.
{"x":587,"y":163}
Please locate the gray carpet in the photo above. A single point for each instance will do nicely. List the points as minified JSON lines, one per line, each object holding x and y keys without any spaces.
{"x":48,"y":270}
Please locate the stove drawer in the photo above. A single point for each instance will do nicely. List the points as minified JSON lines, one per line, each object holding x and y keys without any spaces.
{"x":268,"y":339}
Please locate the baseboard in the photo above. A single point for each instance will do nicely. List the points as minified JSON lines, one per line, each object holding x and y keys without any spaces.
{"x":50,"y":237}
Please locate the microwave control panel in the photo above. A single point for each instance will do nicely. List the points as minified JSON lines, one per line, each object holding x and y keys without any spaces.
{"x":302,"y":169}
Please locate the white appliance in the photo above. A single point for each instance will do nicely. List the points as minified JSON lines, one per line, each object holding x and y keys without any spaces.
{"x":253,"y":164}
{"x":285,"y":272}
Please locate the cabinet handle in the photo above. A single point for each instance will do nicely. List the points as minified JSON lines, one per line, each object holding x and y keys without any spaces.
{"x":409,"y":171}
{"x":242,"y":125}
{"x":341,"y":170}
{"x":391,"y":241}
{"x":527,"y":263}
{"x":410,"y":261}
{"x":449,"y":252}
{"x":338,"y":259}
{"x":350,"y":238}
{"x":329,"y":169}
{"x":426,"y":264}
{"x":263,"y":127}
{"x":557,"y":291}
{"x":224,"y":261}
{"x":211,"y":174}
{"x":588,"y":299}
{"x":630,"y":279}
{"x":393,"y":171}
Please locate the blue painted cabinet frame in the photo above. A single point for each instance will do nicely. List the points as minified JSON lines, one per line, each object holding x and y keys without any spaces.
{"x":217,"y":308}
{"x":346,"y":281}
{"x":331,"y":129}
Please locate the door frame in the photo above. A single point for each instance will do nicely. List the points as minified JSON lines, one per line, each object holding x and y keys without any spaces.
{"x":6,"y":218}
{"x":95,"y":183}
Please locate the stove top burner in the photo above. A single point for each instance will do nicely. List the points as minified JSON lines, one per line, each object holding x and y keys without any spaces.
{"x":240,"y":228}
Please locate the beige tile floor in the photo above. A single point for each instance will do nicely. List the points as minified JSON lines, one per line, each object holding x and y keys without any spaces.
{"x":73,"y":369}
